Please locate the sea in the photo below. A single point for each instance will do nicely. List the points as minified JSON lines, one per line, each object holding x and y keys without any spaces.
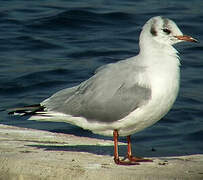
{"x":46,"y":46}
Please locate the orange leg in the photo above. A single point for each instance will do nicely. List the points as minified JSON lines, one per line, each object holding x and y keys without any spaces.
{"x":132,"y":158}
{"x":116,"y":156}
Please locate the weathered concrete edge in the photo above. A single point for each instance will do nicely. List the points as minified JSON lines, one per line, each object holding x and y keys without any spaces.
{"x":27,"y":154}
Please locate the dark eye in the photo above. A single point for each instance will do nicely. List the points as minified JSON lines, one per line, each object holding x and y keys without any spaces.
{"x":167,"y":31}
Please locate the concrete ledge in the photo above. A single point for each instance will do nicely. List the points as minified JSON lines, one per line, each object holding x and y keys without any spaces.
{"x":27,"y":154}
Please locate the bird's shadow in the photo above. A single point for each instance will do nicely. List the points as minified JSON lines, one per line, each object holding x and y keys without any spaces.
{"x":138,"y":149}
{"x":94,"y":149}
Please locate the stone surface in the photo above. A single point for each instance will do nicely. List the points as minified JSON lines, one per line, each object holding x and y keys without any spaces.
{"x":27,"y":154}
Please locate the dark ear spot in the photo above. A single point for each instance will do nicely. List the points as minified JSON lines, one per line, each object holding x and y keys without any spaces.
{"x":153,"y":31}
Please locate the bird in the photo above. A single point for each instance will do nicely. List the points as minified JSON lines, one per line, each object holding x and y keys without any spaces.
{"x":125,"y":97}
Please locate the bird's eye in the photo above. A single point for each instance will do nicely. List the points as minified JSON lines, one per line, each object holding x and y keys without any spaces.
{"x":167,"y":31}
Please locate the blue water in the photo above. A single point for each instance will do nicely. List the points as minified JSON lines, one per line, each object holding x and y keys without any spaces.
{"x":46,"y":46}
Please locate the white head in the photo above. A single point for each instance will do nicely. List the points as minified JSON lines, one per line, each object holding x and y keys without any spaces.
{"x":161,"y":32}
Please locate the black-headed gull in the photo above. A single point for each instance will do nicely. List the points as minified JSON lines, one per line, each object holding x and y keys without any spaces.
{"x":124,"y":97}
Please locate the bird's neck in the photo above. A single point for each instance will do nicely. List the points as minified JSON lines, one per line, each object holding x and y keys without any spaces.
{"x":152,"y":53}
{"x":152,"y":47}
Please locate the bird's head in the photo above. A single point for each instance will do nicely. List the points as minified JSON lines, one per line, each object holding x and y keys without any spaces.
{"x":163,"y":31}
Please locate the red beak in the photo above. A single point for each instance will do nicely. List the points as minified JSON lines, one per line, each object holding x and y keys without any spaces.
{"x":186,"y":38}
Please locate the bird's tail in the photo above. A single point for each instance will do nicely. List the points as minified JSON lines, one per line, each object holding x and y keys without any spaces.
{"x":26,"y":110}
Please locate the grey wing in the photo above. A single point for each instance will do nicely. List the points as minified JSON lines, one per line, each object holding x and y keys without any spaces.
{"x":108,"y":96}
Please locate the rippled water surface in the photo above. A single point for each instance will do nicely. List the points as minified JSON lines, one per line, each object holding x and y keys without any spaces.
{"x":50,"y":45}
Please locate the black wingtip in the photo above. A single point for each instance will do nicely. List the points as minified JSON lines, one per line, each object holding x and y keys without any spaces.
{"x":26,"y":110}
